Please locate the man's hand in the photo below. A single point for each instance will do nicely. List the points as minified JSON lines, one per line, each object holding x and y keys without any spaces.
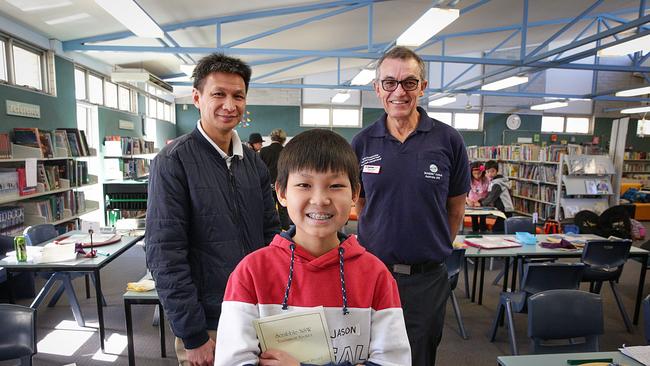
{"x":274,"y":357}
{"x":202,"y":356}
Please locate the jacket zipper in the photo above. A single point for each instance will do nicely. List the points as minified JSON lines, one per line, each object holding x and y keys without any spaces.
{"x":237,"y":214}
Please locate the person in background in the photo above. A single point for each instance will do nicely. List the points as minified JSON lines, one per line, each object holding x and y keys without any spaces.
{"x":414,"y":180}
{"x":270,"y":155}
{"x":255,"y":141}
{"x":209,"y":204}
{"x":498,"y":194}
{"x":314,"y":265}
{"x":479,"y":189}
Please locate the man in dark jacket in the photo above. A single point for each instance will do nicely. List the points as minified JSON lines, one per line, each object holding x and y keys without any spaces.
{"x":209,"y":205}
{"x":270,"y":155}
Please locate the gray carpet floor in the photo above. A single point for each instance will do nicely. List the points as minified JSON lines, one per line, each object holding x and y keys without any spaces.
{"x":61,"y":342}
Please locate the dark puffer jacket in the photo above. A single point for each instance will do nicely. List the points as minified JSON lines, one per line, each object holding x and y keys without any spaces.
{"x":202,"y":219}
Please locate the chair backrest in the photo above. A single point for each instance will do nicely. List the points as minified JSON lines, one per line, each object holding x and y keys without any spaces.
{"x":519,"y":224}
{"x":540,"y":277}
{"x":6,"y":244}
{"x":615,"y":221}
{"x":606,"y":253}
{"x":453,"y":264}
{"x":37,"y":234}
{"x":18,"y":336}
{"x":563,"y":315}
{"x":646,"y":318}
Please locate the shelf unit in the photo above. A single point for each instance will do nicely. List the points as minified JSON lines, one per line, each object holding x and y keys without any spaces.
{"x":21,"y":155}
{"x":123,"y":159}
{"x":633,"y":167}
{"x":585,"y":183}
{"x":124,"y":199}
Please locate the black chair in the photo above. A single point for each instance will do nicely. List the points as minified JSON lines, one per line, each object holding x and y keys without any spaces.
{"x":604,"y":261}
{"x":587,"y":222}
{"x":574,"y":316}
{"x":615,"y":221}
{"x":453,"y":264}
{"x":538,"y":277}
{"x":513,"y":225}
{"x":18,"y":336}
{"x":646,"y":318}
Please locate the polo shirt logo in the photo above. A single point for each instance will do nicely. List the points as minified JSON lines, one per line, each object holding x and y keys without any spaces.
{"x":370,"y":159}
{"x":433,"y":168}
{"x":433,"y":173}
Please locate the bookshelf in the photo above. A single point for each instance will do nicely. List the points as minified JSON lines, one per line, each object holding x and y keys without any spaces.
{"x":585,"y":183}
{"x":127,"y":158}
{"x":45,"y":189}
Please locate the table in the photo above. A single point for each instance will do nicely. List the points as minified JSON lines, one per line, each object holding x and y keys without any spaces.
{"x":140,"y":298}
{"x":78,"y":265}
{"x":528,"y":251}
{"x":558,"y":359}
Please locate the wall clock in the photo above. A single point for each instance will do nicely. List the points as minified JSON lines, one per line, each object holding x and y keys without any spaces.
{"x":513,"y":122}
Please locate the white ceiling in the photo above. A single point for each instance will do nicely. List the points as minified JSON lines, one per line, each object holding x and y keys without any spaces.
{"x":341,"y":31}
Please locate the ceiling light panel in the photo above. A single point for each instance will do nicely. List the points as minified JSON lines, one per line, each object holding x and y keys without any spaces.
{"x":132,"y":16}
{"x":36,"y":5}
{"x":626,"y":48}
{"x":635,"y":110}
{"x":505,"y":83}
{"x":363,"y":77}
{"x":549,"y":105}
{"x":442,"y":101}
{"x":68,"y":19}
{"x":428,"y":25}
{"x":633,"y":92}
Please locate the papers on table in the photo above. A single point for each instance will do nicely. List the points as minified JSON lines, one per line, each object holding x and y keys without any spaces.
{"x":98,"y":239}
{"x":488,"y":242}
{"x":302,"y":334}
{"x":639,"y":353}
{"x":484,"y":211}
{"x":49,"y":253}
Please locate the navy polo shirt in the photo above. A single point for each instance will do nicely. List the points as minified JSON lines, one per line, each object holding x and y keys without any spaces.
{"x":406,"y":186}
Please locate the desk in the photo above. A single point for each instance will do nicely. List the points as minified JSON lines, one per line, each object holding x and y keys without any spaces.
{"x":526,"y":251}
{"x":78,"y":265}
{"x":561,"y":359}
{"x":137,"y":298}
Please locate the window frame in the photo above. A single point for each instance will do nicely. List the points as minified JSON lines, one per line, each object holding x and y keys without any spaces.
{"x":331,"y":108}
{"x":45,"y":65}
{"x":565,"y":118}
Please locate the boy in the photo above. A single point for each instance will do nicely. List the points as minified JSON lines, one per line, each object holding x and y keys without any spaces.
{"x":498,"y":194}
{"x":318,"y":180}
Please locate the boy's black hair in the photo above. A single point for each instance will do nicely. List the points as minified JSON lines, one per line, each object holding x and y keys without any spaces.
{"x":491,"y":164}
{"x":321,"y":151}
{"x":218,"y":62}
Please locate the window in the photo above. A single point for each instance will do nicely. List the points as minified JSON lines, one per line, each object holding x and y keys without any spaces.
{"x":27,"y":68}
{"x":577,"y":125}
{"x":346,"y":117}
{"x":124,"y":98}
{"x":80,"y":84}
{"x":150,"y":130}
{"x":643,"y":127}
{"x":3,"y":62}
{"x":552,"y":124}
{"x":443,"y":117}
{"x":110,"y":94}
{"x":168,"y":112}
{"x":153,"y":108}
{"x":561,"y":124}
{"x":466,"y":121}
{"x":160,"y":106}
{"x":95,"y":89}
{"x":315,"y":117}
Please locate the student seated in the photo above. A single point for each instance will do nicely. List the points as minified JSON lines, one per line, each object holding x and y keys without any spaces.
{"x":313,"y":265}
{"x":479,"y":189}
{"x":498,"y":194}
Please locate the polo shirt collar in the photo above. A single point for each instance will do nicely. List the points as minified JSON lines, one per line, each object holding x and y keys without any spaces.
{"x":237,"y":148}
{"x":425,"y":124}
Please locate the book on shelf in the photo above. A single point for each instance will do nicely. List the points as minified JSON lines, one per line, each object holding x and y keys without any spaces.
{"x":598,"y":186}
{"x":8,"y":181}
{"x":46,"y":143}
{"x":28,"y":136}
{"x":11,"y":216}
{"x":61,"y":141}
{"x":5,"y":146}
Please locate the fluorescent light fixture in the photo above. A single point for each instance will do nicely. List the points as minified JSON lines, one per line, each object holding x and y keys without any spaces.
{"x":633,"y":92}
{"x":37,"y":5}
{"x":636,"y":110}
{"x":132,"y":16}
{"x":505,"y":83}
{"x":188,"y":69}
{"x":363,"y":77}
{"x":626,"y":48}
{"x":67,"y":19}
{"x":442,"y":101}
{"x":340,"y":97}
{"x":430,"y":23}
{"x":549,"y":105}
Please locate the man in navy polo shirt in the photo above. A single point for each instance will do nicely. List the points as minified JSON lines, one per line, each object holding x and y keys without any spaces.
{"x":414,"y":179}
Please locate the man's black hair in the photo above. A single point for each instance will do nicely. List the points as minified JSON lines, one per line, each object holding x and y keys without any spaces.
{"x":321,"y":151}
{"x":218,"y":62}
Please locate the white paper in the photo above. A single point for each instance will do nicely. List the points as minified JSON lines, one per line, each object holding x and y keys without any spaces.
{"x":639,"y":353}
{"x":30,"y":173}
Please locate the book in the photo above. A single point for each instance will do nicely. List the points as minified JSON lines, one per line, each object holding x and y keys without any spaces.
{"x":61,"y":141}
{"x":28,"y":137}
{"x":491,"y":243}
{"x":302,"y":334}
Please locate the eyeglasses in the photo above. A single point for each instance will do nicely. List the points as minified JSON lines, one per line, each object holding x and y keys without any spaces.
{"x":390,"y":85}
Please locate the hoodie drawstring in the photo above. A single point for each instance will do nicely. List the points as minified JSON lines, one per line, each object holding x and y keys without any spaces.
{"x":286,"y":292}
{"x":285,"y":301}
{"x":345,"y":295}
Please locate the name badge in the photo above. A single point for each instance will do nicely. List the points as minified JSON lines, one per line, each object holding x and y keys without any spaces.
{"x":372,"y":169}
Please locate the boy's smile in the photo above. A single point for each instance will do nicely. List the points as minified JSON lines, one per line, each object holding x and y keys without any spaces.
{"x":319,"y":205}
